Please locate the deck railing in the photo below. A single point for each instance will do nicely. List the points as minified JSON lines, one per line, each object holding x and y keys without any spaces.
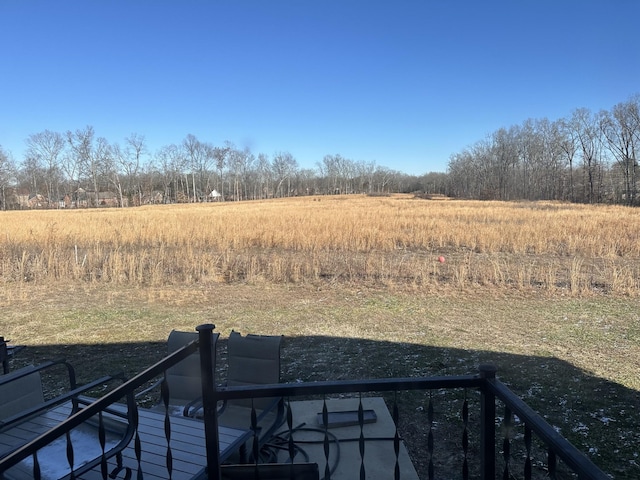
{"x":494,"y":453}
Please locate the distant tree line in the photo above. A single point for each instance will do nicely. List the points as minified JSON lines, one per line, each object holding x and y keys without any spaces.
{"x":79,"y":169}
{"x":589,"y":157}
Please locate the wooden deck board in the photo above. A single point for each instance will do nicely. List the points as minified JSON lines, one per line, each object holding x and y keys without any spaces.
{"x":187,"y":442}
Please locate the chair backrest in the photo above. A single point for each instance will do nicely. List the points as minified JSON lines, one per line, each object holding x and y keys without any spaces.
{"x":185,"y":383}
{"x":253,"y":360}
{"x":20,"y":392}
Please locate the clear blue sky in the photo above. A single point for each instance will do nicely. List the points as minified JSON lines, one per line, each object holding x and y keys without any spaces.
{"x":401,"y":83}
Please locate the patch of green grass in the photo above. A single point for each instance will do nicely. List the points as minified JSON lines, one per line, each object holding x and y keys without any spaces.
{"x":573,"y":360}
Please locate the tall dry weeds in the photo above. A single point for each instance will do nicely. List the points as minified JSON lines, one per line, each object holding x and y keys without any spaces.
{"x":380,"y":240}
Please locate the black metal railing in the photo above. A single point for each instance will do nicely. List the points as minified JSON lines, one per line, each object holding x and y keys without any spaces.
{"x":92,"y":410}
{"x":490,"y":392}
{"x":491,"y":389}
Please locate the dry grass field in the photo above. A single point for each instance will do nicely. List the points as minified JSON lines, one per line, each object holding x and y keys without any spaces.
{"x":548,"y":292}
{"x":381,"y":241}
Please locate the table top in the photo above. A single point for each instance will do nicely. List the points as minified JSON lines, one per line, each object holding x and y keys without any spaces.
{"x":186,"y":443}
{"x":379,"y":454}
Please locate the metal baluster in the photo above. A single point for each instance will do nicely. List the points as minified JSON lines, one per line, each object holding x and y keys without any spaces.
{"x":465,"y":436}
{"x":506,"y":442}
{"x":102,"y":438}
{"x":70,"y":453}
{"x":325,"y":443}
{"x":396,"y":437}
{"x":361,"y":439}
{"x":291,"y":444}
{"x":254,"y":428}
{"x":37,"y":475}
{"x":552,"y":463}
{"x":137,"y":445}
{"x":165,"y":395}
{"x":527,"y":444}
{"x":430,"y":444}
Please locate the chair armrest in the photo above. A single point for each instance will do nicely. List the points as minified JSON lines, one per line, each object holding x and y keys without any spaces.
{"x":23,"y":372}
{"x":155,"y":385}
{"x":70,"y":395}
{"x":192,"y":408}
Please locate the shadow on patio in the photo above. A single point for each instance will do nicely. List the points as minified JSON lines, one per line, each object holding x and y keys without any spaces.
{"x":599,"y":417}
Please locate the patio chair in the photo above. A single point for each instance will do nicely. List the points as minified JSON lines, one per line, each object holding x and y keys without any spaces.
{"x":183,"y":379}
{"x":253,"y":360}
{"x":26,"y":413}
{"x":114,"y":429}
{"x":22,"y":395}
{"x":6,"y":352}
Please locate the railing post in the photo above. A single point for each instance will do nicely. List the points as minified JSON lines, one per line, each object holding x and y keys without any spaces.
{"x":487,"y":424}
{"x":4,"y":356}
{"x":205,"y":334}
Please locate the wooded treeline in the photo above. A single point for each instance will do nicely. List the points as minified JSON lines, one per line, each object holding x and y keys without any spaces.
{"x":588,"y":157}
{"x":79,"y":169}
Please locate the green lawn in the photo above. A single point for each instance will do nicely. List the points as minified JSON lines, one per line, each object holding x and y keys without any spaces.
{"x":574,"y":360}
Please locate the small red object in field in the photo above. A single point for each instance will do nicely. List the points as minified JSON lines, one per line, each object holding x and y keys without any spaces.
{"x":441,"y":259}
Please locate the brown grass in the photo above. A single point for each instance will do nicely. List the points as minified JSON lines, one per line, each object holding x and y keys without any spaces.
{"x":548,"y":292}
{"x":384,"y":241}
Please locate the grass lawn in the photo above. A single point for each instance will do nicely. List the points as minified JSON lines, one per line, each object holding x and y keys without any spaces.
{"x":575,"y":360}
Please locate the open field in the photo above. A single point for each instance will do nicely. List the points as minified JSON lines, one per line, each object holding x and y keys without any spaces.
{"x":357,"y":277}
{"x":383,"y":241}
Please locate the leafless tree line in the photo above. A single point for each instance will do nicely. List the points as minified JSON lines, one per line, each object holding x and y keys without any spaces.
{"x":589,"y":157}
{"x":78,"y":168}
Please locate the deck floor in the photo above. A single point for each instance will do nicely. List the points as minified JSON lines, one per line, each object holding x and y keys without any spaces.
{"x":187,"y":446}
{"x":188,"y":443}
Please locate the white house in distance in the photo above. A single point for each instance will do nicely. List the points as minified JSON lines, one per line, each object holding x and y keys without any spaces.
{"x":215,"y":195}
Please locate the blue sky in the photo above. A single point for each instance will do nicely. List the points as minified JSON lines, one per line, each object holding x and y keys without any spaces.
{"x":402,"y":83}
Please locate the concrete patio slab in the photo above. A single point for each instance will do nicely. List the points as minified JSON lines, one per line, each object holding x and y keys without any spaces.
{"x":344,"y":456}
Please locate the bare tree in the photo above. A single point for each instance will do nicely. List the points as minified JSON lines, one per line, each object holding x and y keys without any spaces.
{"x":220,"y":156}
{"x":90,"y":157}
{"x":199,"y":156}
{"x":365,"y":174}
{"x":505,"y":158}
{"x":135,"y":147}
{"x":240,"y":163}
{"x":330,"y":171}
{"x":621,"y":130}
{"x":114,"y":171}
{"x":264,"y":174}
{"x":568,"y":139}
{"x":46,"y":149}
{"x":31,"y":174}
{"x":284,"y":168}
{"x":172,"y":163}
{"x":7,"y":175}
{"x":587,"y":131}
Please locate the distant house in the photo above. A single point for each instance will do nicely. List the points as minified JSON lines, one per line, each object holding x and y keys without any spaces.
{"x":215,"y":195}
{"x":108,"y":199}
{"x":87,"y":198}
{"x":154,"y":198}
{"x":38,"y":201}
{"x":22,"y":200}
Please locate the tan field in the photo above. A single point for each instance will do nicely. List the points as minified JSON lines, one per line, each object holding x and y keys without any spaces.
{"x":546,"y":291}
{"x":386,"y":241}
